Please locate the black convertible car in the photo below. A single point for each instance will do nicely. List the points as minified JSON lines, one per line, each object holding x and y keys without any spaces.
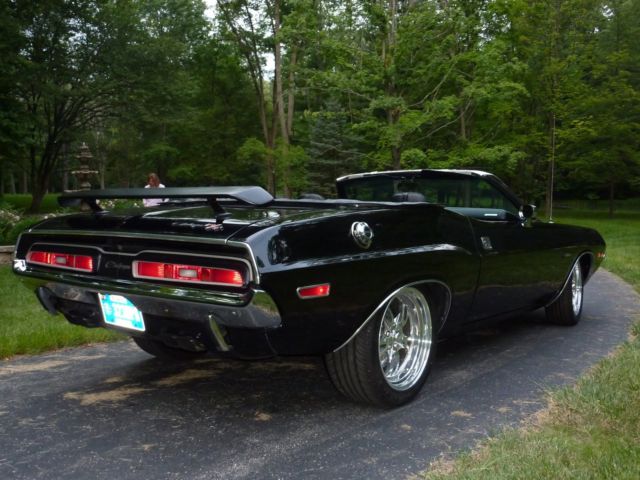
{"x":370,"y":280}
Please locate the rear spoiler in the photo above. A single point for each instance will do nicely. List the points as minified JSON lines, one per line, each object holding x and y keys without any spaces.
{"x":248,"y":195}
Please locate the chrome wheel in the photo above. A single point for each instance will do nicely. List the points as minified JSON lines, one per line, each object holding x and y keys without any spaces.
{"x":576,"y":289}
{"x":404,"y":338}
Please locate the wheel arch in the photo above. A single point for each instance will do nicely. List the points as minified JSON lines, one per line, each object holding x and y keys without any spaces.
{"x":437,"y":293}
{"x":586,"y":261}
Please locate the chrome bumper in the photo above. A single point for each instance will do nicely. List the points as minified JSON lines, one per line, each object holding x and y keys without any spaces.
{"x":252,"y":309}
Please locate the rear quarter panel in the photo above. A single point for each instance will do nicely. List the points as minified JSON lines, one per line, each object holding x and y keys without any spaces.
{"x":411,"y":244}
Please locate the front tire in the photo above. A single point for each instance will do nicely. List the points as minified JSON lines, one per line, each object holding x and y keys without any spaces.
{"x":387,"y":363}
{"x":567,"y":308}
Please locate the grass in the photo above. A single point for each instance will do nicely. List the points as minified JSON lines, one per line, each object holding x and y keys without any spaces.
{"x":26,"y":328}
{"x":590,"y":430}
{"x":23,"y":202}
{"x":622,"y":234}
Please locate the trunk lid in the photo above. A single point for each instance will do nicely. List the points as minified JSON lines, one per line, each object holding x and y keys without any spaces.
{"x":197,"y":221}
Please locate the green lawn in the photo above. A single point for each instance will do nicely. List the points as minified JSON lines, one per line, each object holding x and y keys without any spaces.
{"x":622,"y":234}
{"x":22,"y":202}
{"x":590,"y":430}
{"x":26,"y":328}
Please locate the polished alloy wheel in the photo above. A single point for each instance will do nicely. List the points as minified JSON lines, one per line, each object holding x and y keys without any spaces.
{"x":576,"y":289}
{"x":404,"y":338}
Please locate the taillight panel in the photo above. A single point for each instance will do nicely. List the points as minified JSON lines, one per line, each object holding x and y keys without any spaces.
{"x":166,"y":266}
{"x":184,"y":273}
{"x":67,"y":261}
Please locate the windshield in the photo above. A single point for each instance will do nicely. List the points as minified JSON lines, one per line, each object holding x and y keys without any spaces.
{"x":459,"y":191}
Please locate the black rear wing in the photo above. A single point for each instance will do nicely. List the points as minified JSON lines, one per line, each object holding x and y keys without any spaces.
{"x":256,"y":196}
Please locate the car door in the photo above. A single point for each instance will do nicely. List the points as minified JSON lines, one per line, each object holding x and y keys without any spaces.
{"x":520,"y":266}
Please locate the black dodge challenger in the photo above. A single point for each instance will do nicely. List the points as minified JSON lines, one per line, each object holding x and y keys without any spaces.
{"x":370,"y":281}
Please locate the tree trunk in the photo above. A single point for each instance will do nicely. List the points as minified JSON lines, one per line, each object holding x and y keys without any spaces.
{"x":612,"y":192}
{"x":291,"y":91}
{"x":251,"y":52}
{"x":551,"y":171}
{"x":39,"y":191}
{"x":277,"y":59}
{"x":12,"y":183}
{"x":388,"y":57}
{"x":395,"y":157}
{"x":65,"y":167}
{"x":271,"y":173}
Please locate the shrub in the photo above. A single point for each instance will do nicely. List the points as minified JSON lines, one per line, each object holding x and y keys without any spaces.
{"x":12,"y":234}
{"x":9,"y":217}
{"x":13,"y":222}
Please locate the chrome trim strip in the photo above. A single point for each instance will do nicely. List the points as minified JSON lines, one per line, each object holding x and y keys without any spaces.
{"x":247,"y":247}
{"x":71,"y":245}
{"x":146,"y":236}
{"x":376,"y":254}
{"x":382,"y":304}
{"x":566,"y":282}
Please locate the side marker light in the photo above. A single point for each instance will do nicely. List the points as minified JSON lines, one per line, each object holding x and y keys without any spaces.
{"x":314,"y":291}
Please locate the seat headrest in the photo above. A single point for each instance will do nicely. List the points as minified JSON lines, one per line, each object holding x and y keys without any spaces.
{"x":408,"y":197}
{"x":311,"y":196}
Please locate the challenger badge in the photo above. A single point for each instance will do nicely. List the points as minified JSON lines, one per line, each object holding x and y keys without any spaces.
{"x":214,"y":227}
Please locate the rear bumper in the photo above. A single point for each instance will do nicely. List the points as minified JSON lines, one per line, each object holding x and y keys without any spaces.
{"x":197,"y":320}
{"x":251,"y":309}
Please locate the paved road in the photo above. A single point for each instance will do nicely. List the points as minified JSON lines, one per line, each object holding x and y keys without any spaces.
{"x":110,"y":411}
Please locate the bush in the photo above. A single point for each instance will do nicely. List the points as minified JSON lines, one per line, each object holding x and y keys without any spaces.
{"x":12,"y":234}
{"x":9,"y":217}
{"x":13,"y":222}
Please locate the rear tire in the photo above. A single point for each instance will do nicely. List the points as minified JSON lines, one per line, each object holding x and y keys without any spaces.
{"x":387,"y":363}
{"x":165,"y":352}
{"x":567,"y":308}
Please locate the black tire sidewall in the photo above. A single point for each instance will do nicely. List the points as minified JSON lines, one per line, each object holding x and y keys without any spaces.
{"x":387,"y":395}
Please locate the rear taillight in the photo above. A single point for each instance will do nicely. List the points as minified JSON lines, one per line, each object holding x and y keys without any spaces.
{"x":188,"y":273}
{"x":82,"y":263}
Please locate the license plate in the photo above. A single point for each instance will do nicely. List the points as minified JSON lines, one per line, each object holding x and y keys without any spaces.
{"x":120,"y":312}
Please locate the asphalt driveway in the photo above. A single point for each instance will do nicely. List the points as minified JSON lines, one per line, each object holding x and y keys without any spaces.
{"x":111,"y":411}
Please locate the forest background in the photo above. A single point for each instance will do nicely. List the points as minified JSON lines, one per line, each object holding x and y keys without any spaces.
{"x":292,"y":94}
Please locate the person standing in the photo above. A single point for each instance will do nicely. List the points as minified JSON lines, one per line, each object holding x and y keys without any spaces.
{"x":153,"y":181}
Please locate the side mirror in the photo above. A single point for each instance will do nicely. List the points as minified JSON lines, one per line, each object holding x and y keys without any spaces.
{"x":527,"y":212}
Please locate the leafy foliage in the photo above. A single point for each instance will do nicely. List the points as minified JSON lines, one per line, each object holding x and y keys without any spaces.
{"x":291,"y":94}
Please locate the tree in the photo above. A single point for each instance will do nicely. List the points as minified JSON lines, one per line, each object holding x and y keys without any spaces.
{"x":331,"y":149}
{"x":62,"y":81}
{"x":602,"y":137}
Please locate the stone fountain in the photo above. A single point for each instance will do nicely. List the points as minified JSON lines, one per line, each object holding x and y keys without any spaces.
{"x":84,"y":172}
